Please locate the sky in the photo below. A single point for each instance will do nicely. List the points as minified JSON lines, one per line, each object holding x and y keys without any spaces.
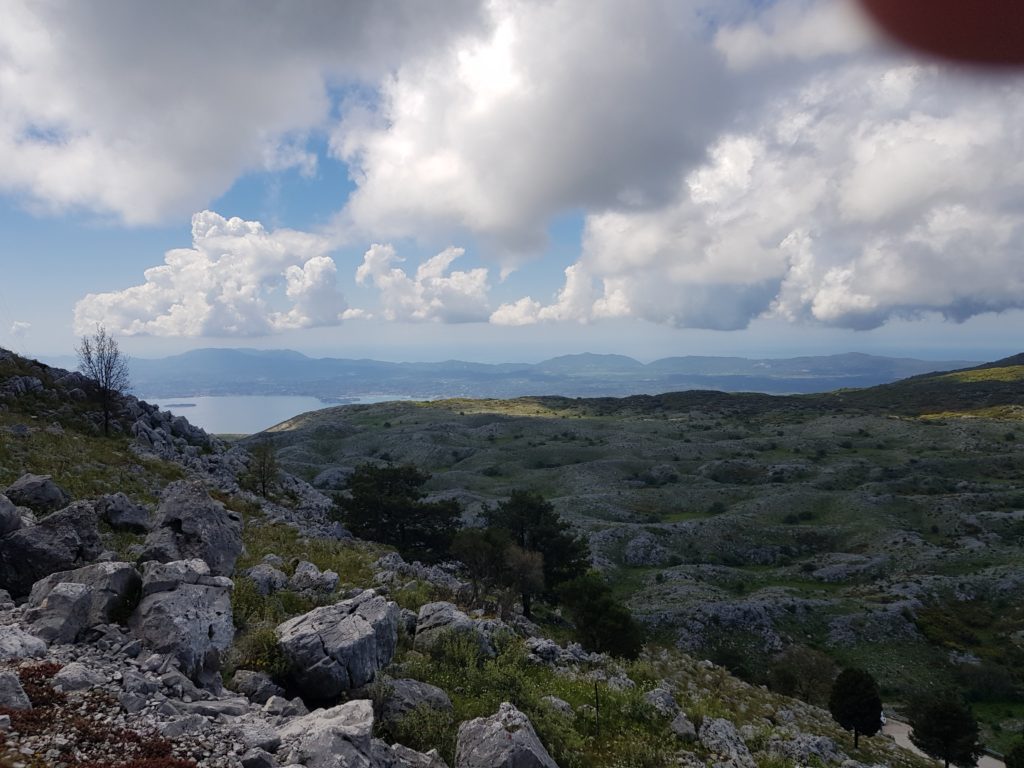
{"x":502,"y":181}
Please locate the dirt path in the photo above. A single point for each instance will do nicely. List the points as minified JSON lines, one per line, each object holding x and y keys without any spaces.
{"x":900,"y":733}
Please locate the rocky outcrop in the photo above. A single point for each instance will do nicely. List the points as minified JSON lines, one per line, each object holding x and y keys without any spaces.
{"x":37,"y":492}
{"x":311,"y":580}
{"x":112,"y":589}
{"x":338,"y":647}
{"x":122,"y":514}
{"x":190,"y":524}
{"x":12,"y":695}
{"x":62,"y":614}
{"x":643,"y":551}
{"x":392,"y":570}
{"x":719,"y":737}
{"x":10,"y":516}
{"x":266,"y":578}
{"x":185,"y":612}
{"x":436,"y":620}
{"x":61,"y":541}
{"x":256,"y":686}
{"x":330,"y":738}
{"x":504,"y":740}
{"x":402,"y":696}
{"x":15,"y":643}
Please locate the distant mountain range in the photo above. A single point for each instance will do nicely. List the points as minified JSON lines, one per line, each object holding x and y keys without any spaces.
{"x":286,"y":372}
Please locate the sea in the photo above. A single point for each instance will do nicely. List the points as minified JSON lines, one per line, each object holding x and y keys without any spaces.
{"x":247,"y":414}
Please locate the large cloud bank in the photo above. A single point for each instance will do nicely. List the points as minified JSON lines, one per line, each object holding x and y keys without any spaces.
{"x":730,"y":160}
{"x":237,"y":279}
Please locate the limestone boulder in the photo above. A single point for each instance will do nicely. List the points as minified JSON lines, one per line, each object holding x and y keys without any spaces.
{"x":37,"y":492}
{"x":402,"y":696}
{"x":123,"y":514}
{"x":16,"y":643}
{"x":332,"y":738}
{"x":61,"y":541}
{"x":12,"y":695}
{"x":114,"y":588}
{"x":266,"y":578}
{"x":436,"y":620}
{"x":10,"y":516}
{"x":720,"y":737}
{"x":185,"y":612}
{"x":62,"y":614}
{"x":504,"y":740}
{"x":189,"y":524}
{"x":338,"y":647}
{"x":310,"y":579}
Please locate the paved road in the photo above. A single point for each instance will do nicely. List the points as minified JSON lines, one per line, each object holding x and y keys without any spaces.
{"x":900,"y":733}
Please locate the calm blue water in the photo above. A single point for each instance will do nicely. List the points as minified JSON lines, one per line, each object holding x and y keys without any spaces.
{"x":246,"y":414}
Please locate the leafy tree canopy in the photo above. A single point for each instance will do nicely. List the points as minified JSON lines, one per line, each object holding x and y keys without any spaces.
{"x":944,"y":727}
{"x":385,"y":504}
{"x":856,"y":703}
{"x":602,"y":622}
{"x":535,"y":526}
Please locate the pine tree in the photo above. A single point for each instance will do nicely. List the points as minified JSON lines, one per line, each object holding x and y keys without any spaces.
{"x":386,"y":504}
{"x":856,"y":703}
{"x":945,"y":728}
{"x":535,"y":526}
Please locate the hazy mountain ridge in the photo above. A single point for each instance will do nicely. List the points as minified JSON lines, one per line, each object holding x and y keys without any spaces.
{"x":284,"y":372}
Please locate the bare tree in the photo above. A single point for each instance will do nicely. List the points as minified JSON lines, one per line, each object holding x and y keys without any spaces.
{"x":263,"y":467}
{"x":101,"y":359}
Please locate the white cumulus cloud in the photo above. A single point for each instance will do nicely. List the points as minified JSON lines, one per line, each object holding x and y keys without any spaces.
{"x":872,"y":191}
{"x":237,"y":279}
{"x":147,"y":110}
{"x":19,"y":329}
{"x":560,"y":105}
{"x":434,"y":292}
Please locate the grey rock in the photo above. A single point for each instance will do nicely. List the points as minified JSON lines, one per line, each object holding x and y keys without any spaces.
{"x":259,"y":735}
{"x":62,"y":614}
{"x":806,"y":749}
{"x":662,"y":701}
{"x":403,"y":757}
{"x":12,"y":695}
{"x":683,"y":728}
{"x":719,"y":737}
{"x":257,"y":686}
{"x":644,"y":550}
{"x":407,"y":621}
{"x":258,"y":758}
{"x":213,"y":708}
{"x":133,"y":703}
{"x":333,"y":478}
{"x":266,"y":578}
{"x":188,"y":617}
{"x":183,"y":725}
{"x":309,"y":578}
{"x":189,"y":524}
{"x":37,"y":492}
{"x":338,"y":647}
{"x":61,"y":541}
{"x":558,"y":705}
{"x":114,"y":587}
{"x":123,"y":514}
{"x":10,"y":517}
{"x":435,"y":620}
{"x":504,"y":740}
{"x":278,"y":705}
{"x":331,"y":738}
{"x":78,"y":677}
{"x":403,"y":696}
{"x":16,"y":644}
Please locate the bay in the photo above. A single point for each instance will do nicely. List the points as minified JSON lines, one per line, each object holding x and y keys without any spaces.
{"x":246,"y":414}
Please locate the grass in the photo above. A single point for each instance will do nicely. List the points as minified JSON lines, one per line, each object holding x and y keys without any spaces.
{"x":86,"y":466}
{"x":1004,"y":374}
{"x":626,"y":733}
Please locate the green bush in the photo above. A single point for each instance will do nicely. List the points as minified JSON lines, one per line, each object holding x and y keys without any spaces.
{"x":258,"y":649}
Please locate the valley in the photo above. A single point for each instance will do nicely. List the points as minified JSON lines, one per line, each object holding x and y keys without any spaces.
{"x":883,"y":527}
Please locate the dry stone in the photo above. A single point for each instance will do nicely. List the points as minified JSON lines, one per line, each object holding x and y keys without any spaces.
{"x":338,"y":647}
